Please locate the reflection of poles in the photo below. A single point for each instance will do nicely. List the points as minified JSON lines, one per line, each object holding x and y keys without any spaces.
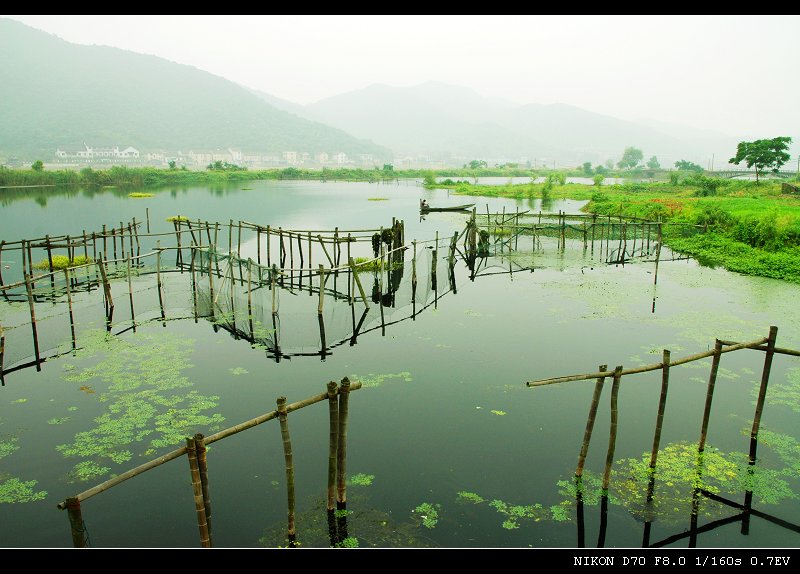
{"x":130,"y":293}
{"x":2,"y":354}
{"x":158,"y":283}
{"x":662,"y":402}
{"x":287,"y":453}
{"x":762,"y":393}
{"x":414,"y":283}
{"x":67,"y":280}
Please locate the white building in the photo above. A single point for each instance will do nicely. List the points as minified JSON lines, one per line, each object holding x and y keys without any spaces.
{"x":290,"y":157}
{"x":99,"y":153}
{"x":340,"y":158}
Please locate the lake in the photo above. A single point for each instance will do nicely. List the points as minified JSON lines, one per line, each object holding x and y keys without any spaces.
{"x":449,"y":446}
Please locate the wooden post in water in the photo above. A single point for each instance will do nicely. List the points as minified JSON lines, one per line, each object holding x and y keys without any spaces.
{"x":762,"y":393}
{"x":197,"y":488}
{"x":121,"y":240}
{"x":30,"y":264}
{"x":321,"y":288}
{"x":76,"y":524}
{"x":662,"y":402}
{"x":612,"y":436}
{"x":250,"y":297}
{"x":587,"y":434}
{"x":2,"y":355}
{"x":333,"y":443}
{"x":114,"y":242}
{"x":211,"y":279}
{"x":269,"y":236}
{"x":230,"y":236}
{"x":380,"y":288}
{"x":131,"y":230}
{"x":287,"y":454}
{"x":358,"y":283}
{"x":1,"y":262}
{"x":239,"y":241}
{"x":341,"y":452}
{"x":69,"y":305}
{"x":158,"y":281}
{"x":202,"y":466}
{"x":147,"y":215}
{"x":258,"y":245}
{"x":101,"y":265}
{"x":712,"y":380}
{"x":33,"y":322}
{"x":658,"y":253}
{"x":274,"y":274}
{"x":130,"y":294}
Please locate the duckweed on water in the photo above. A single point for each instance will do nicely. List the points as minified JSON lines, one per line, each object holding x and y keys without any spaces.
{"x":138,"y":374}
{"x":472,"y":497}
{"x":239,"y":371}
{"x":361,"y":479}
{"x":787,"y":394}
{"x":14,"y":490}
{"x":8,"y":446}
{"x":428,"y":513}
{"x":58,"y":421}
{"x":373,"y":380}
{"x":785,"y":446}
{"x":498,"y":413}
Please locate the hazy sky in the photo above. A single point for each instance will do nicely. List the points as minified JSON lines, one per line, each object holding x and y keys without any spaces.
{"x":735,"y":74}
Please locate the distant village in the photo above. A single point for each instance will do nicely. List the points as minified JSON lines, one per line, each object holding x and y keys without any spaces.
{"x":87,"y":155}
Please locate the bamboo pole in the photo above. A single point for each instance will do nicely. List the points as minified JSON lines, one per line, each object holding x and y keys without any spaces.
{"x":239,"y":241}
{"x":158,"y":281}
{"x":358,"y":283}
{"x":130,"y":240}
{"x":646,"y":368}
{"x":587,"y":434}
{"x":250,"y":296}
{"x":662,"y":402}
{"x":269,"y":236}
{"x":341,"y":452}
{"x":202,"y":465}
{"x":1,"y":262}
{"x":130,"y":294}
{"x":69,"y":305}
{"x":33,"y":322}
{"x":321,"y":289}
{"x":658,"y":254}
{"x":612,"y":437}
{"x":273,"y":275}
{"x":121,"y":240}
{"x":333,"y":444}
{"x":147,"y":215}
{"x":230,"y":235}
{"x":76,"y":524}
{"x":325,"y":250}
{"x":197,"y":488}
{"x":287,"y":454}
{"x":114,"y":241}
{"x":2,"y":355}
{"x":712,"y":380}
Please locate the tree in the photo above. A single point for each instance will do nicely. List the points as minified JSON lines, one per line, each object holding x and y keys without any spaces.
{"x":763,"y":154}
{"x":652,"y":163}
{"x":477,"y":164}
{"x":173,"y":164}
{"x":684,"y":165}
{"x":609,"y":164}
{"x":630,"y":158}
{"x":37,"y":165}
{"x":587,"y":168}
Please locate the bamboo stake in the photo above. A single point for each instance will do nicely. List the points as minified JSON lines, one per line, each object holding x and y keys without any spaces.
{"x":712,"y":380}
{"x":612,"y":437}
{"x":202,"y":465}
{"x":321,"y":289}
{"x":1,"y":262}
{"x":358,"y":283}
{"x":76,"y":524}
{"x":158,"y":281}
{"x":130,"y":294}
{"x":132,"y":228}
{"x":147,"y":215}
{"x":239,"y":241}
{"x":69,"y":304}
{"x":272,"y":280}
{"x":114,"y":241}
{"x":269,"y":261}
{"x":658,"y":254}
{"x":325,"y":250}
{"x":230,"y":235}
{"x":33,"y":322}
{"x":587,"y":434}
{"x":662,"y":402}
{"x":197,"y":488}
{"x":287,"y":454}
{"x":250,"y":297}
{"x":30,"y":265}
{"x":2,"y":355}
{"x":341,"y":453}
{"x":258,"y":245}
{"x":121,"y":240}
{"x":333,"y":445}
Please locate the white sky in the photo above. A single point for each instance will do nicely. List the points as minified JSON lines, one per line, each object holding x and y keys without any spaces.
{"x":735,"y":74}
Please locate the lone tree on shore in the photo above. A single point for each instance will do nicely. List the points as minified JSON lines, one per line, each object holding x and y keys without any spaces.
{"x":630,"y":158}
{"x":763,"y":154}
{"x":37,"y":165}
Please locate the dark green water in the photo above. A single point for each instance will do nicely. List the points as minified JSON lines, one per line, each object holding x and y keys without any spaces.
{"x":424,"y":425}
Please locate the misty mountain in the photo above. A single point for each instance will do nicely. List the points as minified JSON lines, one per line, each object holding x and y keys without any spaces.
{"x":440,"y":119}
{"x":55,"y":93}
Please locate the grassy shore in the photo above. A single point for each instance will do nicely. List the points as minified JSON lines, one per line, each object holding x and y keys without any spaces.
{"x":750,"y":228}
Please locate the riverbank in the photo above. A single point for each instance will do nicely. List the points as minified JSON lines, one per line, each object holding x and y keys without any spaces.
{"x":750,"y":228}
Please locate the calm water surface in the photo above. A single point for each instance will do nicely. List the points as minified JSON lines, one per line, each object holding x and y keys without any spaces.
{"x":445,"y":409}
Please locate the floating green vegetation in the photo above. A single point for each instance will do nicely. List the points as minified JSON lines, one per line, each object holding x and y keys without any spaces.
{"x":372,"y":527}
{"x":61,"y":262}
{"x":8,"y":445}
{"x":787,"y":394}
{"x":377,"y":199}
{"x":373,"y":380}
{"x":464,"y":496}
{"x":361,"y":479}
{"x":498,"y":413}
{"x":71,"y":409}
{"x":139,"y":195}
{"x":516,"y":512}
{"x":428,"y":513}
{"x":14,"y":490}
{"x":87,"y":470}
{"x":239,"y":371}
{"x":342,"y":513}
{"x":785,"y":446}
{"x":58,"y":421}
{"x":19,"y":401}
{"x":590,"y":488}
{"x":173,"y":218}
{"x":147,"y":398}
{"x":349,"y":542}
